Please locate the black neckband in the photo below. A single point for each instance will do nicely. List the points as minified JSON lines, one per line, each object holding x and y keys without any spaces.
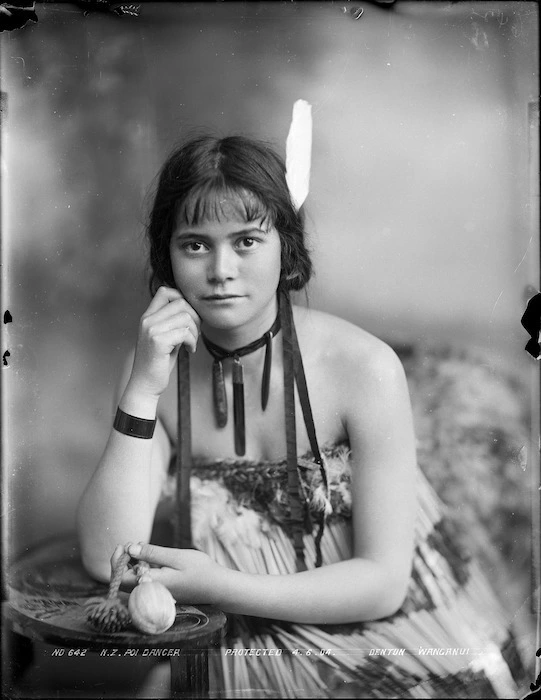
{"x":220,"y":353}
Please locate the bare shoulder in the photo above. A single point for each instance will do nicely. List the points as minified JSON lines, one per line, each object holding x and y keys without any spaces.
{"x":345,"y":350}
{"x":361,"y":380}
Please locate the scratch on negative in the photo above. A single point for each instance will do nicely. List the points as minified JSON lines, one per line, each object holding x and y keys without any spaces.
{"x":525,"y":254}
{"x":494,"y":307}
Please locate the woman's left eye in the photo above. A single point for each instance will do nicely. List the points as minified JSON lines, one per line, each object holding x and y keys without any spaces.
{"x":246,"y":243}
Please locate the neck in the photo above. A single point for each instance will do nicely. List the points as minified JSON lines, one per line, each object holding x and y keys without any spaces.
{"x":238,"y":337}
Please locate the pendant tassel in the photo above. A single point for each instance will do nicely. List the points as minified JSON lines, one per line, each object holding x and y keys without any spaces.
{"x":265,"y":382}
{"x":219,"y":393}
{"x":238,"y":407}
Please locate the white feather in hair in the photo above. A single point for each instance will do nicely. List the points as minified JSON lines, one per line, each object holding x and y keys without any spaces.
{"x":299,"y":152}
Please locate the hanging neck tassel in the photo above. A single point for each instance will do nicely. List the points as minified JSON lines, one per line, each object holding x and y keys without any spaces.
{"x":219,"y":394}
{"x":304,"y":398}
{"x":296,"y":504}
{"x":238,"y":407}
{"x":182,"y":535}
{"x":218,"y":382}
{"x":265,"y":382}
{"x":294,"y":371}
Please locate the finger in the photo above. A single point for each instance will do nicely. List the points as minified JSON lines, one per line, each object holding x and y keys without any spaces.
{"x":166,"y":575}
{"x":170,"y":341}
{"x":172,"y":300}
{"x":173,"y":323}
{"x":186,"y":307}
{"x":175,"y":307}
{"x":163,"y":296}
{"x":153,"y":554}
{"x":190,"y":340}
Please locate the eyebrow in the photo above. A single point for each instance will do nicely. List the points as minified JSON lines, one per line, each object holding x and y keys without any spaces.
{"x":233,"y":234}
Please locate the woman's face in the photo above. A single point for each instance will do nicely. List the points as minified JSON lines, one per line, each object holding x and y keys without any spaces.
{"x":228,"y":270}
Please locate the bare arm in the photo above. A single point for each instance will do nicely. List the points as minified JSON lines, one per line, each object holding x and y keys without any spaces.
{"x":373,"y":583}
{"x":120,"y":500}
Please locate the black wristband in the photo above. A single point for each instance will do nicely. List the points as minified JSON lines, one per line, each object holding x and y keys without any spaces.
{"x":133,"y":426}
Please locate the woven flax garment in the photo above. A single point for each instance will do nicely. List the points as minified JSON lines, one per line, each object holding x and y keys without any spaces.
{"x":449,"y":639}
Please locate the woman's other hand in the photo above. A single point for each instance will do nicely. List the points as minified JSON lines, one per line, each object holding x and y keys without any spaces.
{"x":168,"y":323}
{"x":191,"y":576}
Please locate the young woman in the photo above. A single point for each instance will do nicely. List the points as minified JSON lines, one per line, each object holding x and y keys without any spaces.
{"x":307,"y":508}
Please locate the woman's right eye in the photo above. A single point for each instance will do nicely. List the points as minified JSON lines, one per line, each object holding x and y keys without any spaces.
{"x":194,"y":247}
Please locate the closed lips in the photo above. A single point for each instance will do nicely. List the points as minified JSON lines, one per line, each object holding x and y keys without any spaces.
{"x":222,"y":296}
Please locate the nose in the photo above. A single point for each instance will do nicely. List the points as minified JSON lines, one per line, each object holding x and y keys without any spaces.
{"x":222,"y":265}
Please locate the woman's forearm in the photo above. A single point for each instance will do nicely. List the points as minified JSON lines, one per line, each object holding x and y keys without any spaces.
{"x":348,"y":591}
{"x":119,"y":502}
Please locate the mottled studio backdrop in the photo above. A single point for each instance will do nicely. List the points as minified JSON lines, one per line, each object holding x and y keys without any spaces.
{"x":422,"y":210}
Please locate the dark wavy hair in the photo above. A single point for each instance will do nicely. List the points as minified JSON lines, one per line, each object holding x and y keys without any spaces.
{"x":200,"y":175}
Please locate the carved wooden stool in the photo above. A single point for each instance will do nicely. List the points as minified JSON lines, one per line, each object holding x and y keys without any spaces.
{"x":47,"y":590}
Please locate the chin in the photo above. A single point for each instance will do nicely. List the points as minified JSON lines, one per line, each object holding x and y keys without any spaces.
{"x":223,"y":319}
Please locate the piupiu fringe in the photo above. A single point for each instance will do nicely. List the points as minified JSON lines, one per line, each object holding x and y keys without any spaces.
{"x":445,"y":641}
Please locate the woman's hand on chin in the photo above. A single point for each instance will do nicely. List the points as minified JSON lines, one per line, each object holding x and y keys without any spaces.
{"x":168,"y":323}
{"x":191,"y":576}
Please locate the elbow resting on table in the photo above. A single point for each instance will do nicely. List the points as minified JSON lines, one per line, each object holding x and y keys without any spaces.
{"x":96,"y":566}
